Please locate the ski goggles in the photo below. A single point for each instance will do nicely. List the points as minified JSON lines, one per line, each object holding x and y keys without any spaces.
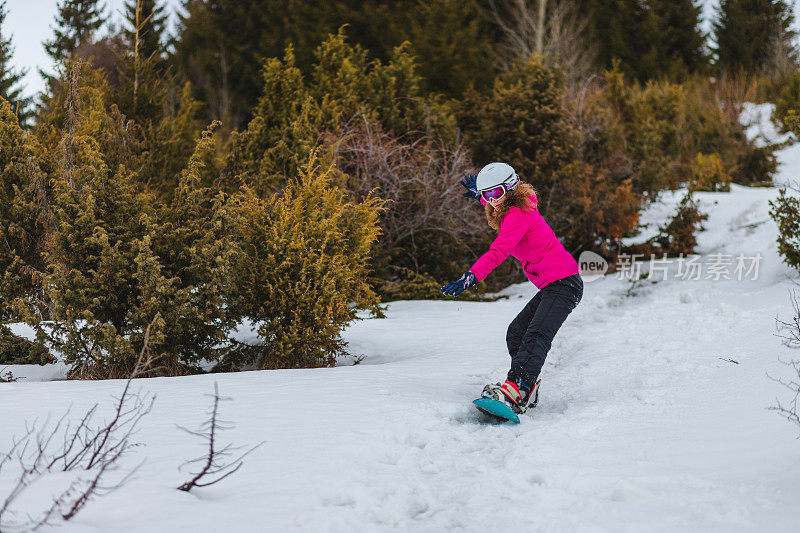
{"x":495,"y":193}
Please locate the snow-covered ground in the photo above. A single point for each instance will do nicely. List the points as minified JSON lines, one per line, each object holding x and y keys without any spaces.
{"x":645,"y":423}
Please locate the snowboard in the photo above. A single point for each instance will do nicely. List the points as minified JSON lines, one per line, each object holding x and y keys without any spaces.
{"x":496,"y":409}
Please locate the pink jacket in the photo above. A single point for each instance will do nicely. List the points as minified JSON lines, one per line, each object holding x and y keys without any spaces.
{"x":526,"y":236}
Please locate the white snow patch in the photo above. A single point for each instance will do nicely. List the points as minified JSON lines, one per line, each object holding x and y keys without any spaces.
{"x":757,"y":119}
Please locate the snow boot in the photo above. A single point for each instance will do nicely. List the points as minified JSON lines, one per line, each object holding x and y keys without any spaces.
{"x":517,"y":395}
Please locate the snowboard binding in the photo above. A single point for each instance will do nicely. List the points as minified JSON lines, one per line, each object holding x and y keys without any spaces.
{"x":506,"y":401}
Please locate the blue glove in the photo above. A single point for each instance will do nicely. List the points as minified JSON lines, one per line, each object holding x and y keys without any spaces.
{"x":454,"y":288}
{"x":471,"y":184}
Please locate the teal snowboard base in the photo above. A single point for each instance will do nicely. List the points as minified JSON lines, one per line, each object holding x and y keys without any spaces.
{"x":496,"y":409}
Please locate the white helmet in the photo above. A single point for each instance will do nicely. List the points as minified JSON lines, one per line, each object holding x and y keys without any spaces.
{"x":495,"y":174}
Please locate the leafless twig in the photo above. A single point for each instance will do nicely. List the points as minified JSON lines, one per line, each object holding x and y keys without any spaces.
{"x":789,"y":410}
{"x":216,"y":463}
{"x":88,"y":450}
{"x":790,"y":333}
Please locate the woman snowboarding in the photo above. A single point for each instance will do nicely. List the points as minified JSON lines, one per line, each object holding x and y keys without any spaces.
{"x":511,"y":209}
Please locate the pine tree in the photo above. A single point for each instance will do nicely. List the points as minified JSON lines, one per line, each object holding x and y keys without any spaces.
{"x":119,"y":264}
{"x":77,"y":22}
{"x":193,"y":250}
{"x":170,"y":142}
{"x":100,"y":230}
{"x":165,"y":117}
{"x":649,"y":40}
{"x":141,"y":84}
{"x":521,"y":121}
{"x":449,"y":41}
{"x":222,"y":45}
{"x":675,"y":45}
{"x":149,"y":17}
{"x":754,"y":36}
{"x":10,"y":78}
{"x":617,"y":31}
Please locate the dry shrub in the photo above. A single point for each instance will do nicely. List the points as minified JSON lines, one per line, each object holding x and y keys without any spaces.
{"x":428,"y":227}
{"x":732,"y":89}
{"x":653,"y":133}
{"x":713,"y":127}
{"x":74,"y":460}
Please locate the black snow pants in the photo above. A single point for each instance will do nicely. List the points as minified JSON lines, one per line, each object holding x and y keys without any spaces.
{"x":530,"y":334}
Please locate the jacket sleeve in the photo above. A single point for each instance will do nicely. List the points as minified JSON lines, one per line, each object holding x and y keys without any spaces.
{"x":512,"y":229}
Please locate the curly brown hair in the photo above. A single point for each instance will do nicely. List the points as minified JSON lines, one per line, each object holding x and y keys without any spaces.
{"x":522,"y":196}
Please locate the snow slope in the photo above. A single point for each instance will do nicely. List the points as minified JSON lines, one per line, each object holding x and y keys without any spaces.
{"x":643,"y":423}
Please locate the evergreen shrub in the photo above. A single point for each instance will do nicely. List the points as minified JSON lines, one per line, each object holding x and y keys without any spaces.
{"x":756,"y":166}
{"x":658,"y":130}
{"x":785,"y":210}
{"x":713,"y":127}
{"x":405,"y":284}
{"x":708,"y":174}
{"x":301,"y":271}
{"x":582,"y":168}
{"x":788,"y":100}
{"x":386,"y":138}
{"x":117,"y":263}
{"x":636,"y":131}
{"x":24,"y":218}
{"x":521,"y":120}
{"x":296,"y":111}
{"x":15,"y":350}
{"x":678,"y":235}
{"x":592,"y":210}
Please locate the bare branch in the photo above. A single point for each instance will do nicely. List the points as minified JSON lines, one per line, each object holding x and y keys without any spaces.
{"x":419,"y":177}
{"x":89,"y":451}
{"x":217,"y":464}
{"x":790,"y":333}
{"x":552,"y":29}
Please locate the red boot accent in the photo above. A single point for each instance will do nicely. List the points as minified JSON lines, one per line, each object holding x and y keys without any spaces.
{"x":511,"y":391}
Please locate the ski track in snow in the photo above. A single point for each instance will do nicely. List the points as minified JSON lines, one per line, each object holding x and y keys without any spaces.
{"x":642,"y":426}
